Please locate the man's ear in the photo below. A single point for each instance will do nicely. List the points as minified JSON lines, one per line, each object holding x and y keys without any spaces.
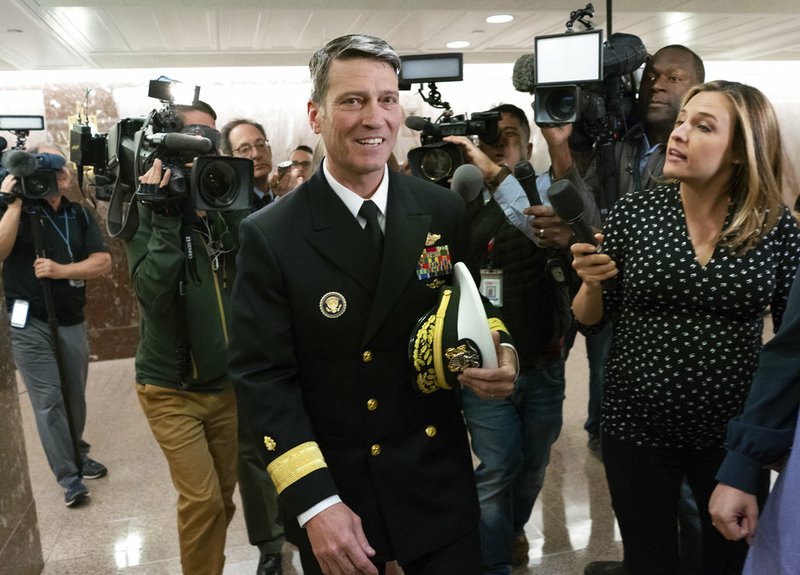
{"x":529,"y":151}
{"x":313,"y":117}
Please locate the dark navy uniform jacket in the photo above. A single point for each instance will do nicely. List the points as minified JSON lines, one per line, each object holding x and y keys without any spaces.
{"x":319,"y":358}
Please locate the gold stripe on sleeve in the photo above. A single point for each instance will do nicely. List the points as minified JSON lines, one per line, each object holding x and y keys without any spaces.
{"x":295,"y":464}
{"x":496,"y":324}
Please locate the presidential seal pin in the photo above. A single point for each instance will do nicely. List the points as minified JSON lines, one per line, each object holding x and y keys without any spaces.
{"x":332,"y":304}
{"x":432,"y":239}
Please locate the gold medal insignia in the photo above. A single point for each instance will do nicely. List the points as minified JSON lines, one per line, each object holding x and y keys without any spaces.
{"x":432,"y":239}
{"x":332,"y":304}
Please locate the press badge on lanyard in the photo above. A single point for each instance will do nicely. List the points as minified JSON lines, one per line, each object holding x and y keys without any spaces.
{"x":65,"y":237}
{"x":492,"y":279}
{"x":492,"y":285}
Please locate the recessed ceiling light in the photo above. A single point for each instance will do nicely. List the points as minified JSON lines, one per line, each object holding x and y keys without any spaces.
{"x":499,"y":19}
{"x":458,"y":44}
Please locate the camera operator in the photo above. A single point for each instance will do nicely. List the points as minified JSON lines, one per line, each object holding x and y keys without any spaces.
{"x":296,"y":170}
{"x":512,"y":438}
{"x":74,"y":251}
{"x":302,"y":158}
{"x":182,"y":266}
{"x":245,"y":138}
{"x":639,"y":157}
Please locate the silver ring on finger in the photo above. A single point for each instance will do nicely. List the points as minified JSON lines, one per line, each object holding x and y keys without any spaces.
{"x":541,"y":233}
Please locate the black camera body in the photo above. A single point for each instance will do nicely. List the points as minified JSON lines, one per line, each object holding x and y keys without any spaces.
{"x":581,"y":80}
{"x":129,"y":149}
{"x":436,"y":160}
{"x":37,"y":186}
{"x":36,"y":173}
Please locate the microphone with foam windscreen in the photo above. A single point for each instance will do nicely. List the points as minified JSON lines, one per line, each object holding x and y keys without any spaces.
{"x":568,"y":205}
{"x":523,"y":75}
{"x":417,"y":123}
{"x":19,"y":163}
{"x":181,"y":142}
{"x":467,"y":182}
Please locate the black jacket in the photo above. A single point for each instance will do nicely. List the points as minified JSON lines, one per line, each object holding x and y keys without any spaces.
{"x":341,"y":387}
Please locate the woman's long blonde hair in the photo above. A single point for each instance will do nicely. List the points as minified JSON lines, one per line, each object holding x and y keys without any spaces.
{"x":756,"y":188}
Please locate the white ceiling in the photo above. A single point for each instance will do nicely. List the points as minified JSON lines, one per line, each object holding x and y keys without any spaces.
{"x":90,"y":34}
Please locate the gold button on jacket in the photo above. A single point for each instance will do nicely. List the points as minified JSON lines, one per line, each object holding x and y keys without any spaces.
{"x":375,"y":449}
{"x":430,"y":431}
{"x":372,"y":404}
{"x":366,"y":357}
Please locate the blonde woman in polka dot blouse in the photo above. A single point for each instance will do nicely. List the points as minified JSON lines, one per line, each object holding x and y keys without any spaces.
{"x":685,"y":273}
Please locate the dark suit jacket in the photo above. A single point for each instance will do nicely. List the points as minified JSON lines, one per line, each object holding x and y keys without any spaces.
{"x":345,"y":383}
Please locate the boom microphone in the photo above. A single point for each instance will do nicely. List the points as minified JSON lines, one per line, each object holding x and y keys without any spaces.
{"x":622,"y":54}
{"x":568,"y":205}
{"x":467,"y":182}
{"x":523,"y":74}
{"x":417,"y":123}
{"x":19,"y":163}
{"x":181,"y":142}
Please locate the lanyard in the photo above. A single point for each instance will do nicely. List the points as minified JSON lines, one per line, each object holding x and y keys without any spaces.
{"x":65,"y":235}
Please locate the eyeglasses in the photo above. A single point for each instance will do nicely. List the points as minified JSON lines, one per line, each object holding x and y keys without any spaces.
{"x":297,"y":163}
{"x":245,"y":149}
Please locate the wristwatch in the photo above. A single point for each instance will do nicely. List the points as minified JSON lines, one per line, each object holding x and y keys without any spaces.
{"x":495,"y":182}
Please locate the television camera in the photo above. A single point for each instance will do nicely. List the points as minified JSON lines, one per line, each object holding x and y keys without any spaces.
{"x":576,"y":78}
{"x":129,"y":149}
{"x":436,"y":160}
{"x":36,"y":173}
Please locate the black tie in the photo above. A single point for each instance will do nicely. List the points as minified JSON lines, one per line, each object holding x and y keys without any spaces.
{"x":369,"y":211}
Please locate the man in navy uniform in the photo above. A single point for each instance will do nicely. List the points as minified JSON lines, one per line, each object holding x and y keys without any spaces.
{"x":331,"y":282}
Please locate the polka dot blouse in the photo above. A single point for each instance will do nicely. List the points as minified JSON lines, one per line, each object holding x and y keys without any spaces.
{"x":686,"y":337}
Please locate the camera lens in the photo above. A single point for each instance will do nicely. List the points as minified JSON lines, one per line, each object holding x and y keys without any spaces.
{"x":39,"y":185}
{"x":218,"y":184}
{"x":436,"y":164}
{"x":561,"y":104}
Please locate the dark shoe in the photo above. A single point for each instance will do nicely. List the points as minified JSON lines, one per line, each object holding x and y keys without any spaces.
{"x":270,"y":564}
{"x":605,"y":568}
{"x":519,"y":550}
{"x":75,"y":493}
{"x":93,"y":470}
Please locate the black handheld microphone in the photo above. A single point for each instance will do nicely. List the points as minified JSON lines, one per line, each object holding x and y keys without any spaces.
{"x":526,"y":176}
{"x":568,"y":205}
{"x":467,"y":182}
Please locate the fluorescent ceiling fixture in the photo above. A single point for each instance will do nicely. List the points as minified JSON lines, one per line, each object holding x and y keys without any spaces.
{"x":499,"y":19}
{"x":457,"y":44}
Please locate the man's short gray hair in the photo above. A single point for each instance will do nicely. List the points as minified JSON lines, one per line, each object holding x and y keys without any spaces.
{"x":343,"y":48}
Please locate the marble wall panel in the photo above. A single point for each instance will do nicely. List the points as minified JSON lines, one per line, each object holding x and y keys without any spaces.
{"x":20,"y":547}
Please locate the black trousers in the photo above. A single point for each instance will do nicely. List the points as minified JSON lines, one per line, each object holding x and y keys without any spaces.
{"x":461,"y":557}
{"x":645,"y":483}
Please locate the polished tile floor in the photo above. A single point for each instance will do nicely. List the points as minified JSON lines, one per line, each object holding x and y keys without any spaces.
{"x":129,"y":524}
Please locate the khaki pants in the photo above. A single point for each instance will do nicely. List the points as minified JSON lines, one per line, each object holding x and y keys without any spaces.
{"x":197,"y":433}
